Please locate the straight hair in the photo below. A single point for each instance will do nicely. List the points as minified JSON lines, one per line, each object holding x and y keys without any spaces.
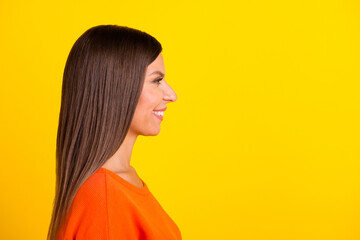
{"x":102,"y":82}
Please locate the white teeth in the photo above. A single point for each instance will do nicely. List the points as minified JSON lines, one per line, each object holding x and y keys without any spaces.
{"x":159,"y":113}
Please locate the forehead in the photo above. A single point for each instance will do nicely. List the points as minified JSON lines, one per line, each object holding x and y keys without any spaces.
{"x":156,"y":65}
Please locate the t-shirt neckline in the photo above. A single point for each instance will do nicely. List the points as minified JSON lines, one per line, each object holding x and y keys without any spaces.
{"x":141,"y":190}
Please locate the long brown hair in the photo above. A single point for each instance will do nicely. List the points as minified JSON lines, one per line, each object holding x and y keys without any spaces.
{"x":102,"y":82}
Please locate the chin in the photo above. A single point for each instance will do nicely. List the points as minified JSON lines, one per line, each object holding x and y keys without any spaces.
{"x":151,"y":133}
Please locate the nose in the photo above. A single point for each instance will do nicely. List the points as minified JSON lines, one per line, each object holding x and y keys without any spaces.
{"x":169,"y":94}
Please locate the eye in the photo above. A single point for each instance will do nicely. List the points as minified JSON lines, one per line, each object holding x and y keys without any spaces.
{"x":158,"y":80}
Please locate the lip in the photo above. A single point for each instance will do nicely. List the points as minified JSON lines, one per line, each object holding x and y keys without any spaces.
{"x":158,"y":116}
{"x":160,"y":109}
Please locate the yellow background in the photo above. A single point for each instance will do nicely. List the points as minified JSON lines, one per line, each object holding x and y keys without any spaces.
{"x":262,"y":143}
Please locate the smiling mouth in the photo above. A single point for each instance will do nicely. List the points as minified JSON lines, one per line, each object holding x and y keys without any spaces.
{"x":158,"y":114}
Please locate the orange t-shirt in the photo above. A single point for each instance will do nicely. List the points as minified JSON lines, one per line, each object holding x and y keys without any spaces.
{"x":107,"y":207}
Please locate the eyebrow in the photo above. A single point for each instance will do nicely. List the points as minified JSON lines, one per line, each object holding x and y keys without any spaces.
{"x":157,"y":72}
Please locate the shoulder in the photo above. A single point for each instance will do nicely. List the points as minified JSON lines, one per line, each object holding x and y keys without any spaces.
{"x":93,"y":189}
{"x":90,"y":199}
{"x":88,"y":216}
{"x":96,"y":191}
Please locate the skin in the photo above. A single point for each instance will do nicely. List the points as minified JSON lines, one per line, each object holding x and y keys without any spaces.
{"x":154,"y":95}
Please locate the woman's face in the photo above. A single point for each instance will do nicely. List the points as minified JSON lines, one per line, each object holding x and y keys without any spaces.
{"x":155,"y":94}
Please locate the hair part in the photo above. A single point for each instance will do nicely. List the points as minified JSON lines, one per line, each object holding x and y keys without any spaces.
{"x":102,"y":82}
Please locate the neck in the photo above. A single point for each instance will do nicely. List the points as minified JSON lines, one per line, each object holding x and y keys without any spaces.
{"x":120,"y":161}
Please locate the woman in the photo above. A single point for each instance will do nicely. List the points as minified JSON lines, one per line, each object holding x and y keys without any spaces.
{"x":113,"y":90}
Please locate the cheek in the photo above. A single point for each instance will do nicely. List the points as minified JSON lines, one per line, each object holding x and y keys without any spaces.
{"x":143,"y":119}
{"x":149,"y":100}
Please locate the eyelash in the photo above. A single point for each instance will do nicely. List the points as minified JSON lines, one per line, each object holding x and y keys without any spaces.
{"x":158,"y":80}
